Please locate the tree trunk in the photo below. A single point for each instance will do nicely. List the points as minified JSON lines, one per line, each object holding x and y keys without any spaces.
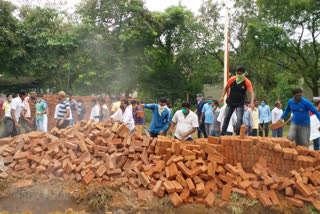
{"x":315,"y":87}
{"x":59,"y":78}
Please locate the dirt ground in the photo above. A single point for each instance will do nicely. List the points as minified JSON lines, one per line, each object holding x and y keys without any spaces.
{"x":57,"y":196}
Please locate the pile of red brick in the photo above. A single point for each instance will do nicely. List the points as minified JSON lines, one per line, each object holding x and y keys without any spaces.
{"x":190,"y":171}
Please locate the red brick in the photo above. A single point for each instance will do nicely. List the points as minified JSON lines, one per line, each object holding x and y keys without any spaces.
{"x":177,"y":186}
{"x":191,"y":186}
{"x":226,"y":192}
{"x":289,"y":191}
{"x":264,"y":198}
{"x":209,"y":200}
{"x":176,"y":200}
{"x":101,"y":170}
{"x":274,"y":197}
{"x":252,"y":194}
{"x":239,"y":191}
{"x":23,"y":183}
{"x":169,"y":186}
{"x":157,"y":187}
{"x":88,"y":177}
{"x":212,"y":169}
{"x":303,"y":189}
{"x":185,"y":194}
{"x":200,"y":188}
{"x":182,"y":181}
{"x":295,"y":202}
{"x":316,"y":204}
{"x":245,"y":184}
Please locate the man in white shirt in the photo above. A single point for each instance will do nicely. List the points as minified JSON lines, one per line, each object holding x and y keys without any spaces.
{"x":11,"y":119}
{"x":95,"y":112}
{"x":186,"y":121}
{"x":232,"y":122}
{"x":124,"y":113}
{"x":276,"y":114}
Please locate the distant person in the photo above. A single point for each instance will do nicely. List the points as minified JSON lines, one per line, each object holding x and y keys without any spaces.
{"x":160,"y":117}
{"x":27,"y":114}
{"x":104,"y":109}
{"x":169,"y":106}
{"x":300,"y":123}
{"x":81,"y":110}
{"x":115,"y":105}
{"x":247,"y":119}
{"x":45,"y":116}
{"x":186,"y":121}
{"x":206,"y":115}
{"x":64,"y":111}
{"x":232,"y":122}
{"x":11,"y":119}
{"x":6,"y":104}
{"x":265,"y":118}
{"x":255,"y":119}
{"x":138,"y":116}
{"x":215,"y":115}
{"x":276,"y":114}
{"x":125,"y":115}
{"x":74,"y":109}
{"x":200,"y":104}
{"x":40,"y":112}
{"x":95,"y":112}
{"x":238,"y":85}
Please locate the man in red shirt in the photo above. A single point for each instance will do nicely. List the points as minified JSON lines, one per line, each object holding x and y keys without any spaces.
{"x":238,"y":85}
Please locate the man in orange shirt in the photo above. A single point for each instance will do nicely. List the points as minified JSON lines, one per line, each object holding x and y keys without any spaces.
{"x":238,"y":85}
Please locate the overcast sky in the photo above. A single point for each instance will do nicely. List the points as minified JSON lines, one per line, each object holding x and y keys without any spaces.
{"x":153,"y":5}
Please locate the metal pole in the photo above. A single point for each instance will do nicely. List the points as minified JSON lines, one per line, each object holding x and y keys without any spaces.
{"x":226,"y":46}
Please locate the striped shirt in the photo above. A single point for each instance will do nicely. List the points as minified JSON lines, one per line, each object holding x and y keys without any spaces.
{"x":63,"y":106}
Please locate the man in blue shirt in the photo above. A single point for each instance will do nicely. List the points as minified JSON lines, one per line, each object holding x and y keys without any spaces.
{"x":160,"y":117}
{"x":265,"y":118}
{"x":200,"y":104}
{"x":206,"y":115}
{"x":300,"y":122}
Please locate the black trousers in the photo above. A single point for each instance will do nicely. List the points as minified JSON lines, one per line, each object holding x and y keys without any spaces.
{"x":254,"y":132}
{"x":153,"y":134}
{"x":266,"y":130}
{"x":202,"y":130}
{"x":65,"y":124}
{"x":9,"y":129}
{"x":227,"y":116}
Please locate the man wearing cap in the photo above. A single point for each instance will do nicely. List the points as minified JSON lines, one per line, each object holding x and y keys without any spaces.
{"x":11,"y":119}
{"x":200,"y":104}
{"x":238,"y":85}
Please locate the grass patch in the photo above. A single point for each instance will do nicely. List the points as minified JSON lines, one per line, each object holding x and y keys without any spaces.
{"x":315,"y":211}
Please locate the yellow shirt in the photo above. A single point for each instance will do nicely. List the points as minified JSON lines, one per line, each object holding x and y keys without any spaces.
{"x":115,"y":106}
{"x":5,"y":107}
{"x":255,"y":118}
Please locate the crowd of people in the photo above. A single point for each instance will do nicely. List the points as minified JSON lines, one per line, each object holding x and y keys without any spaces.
{"x":208,"y":118}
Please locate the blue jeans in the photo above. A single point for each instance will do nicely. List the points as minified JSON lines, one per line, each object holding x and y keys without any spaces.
{"x":316,"y":144}
{"x":132,"y":131}
{"x":277,"y":132}
{"x":40,"y":125}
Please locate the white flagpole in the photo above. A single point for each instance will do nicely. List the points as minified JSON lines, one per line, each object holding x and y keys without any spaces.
{"x":226,"y":46}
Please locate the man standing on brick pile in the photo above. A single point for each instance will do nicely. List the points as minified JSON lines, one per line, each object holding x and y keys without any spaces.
{"x":265,"y":118}
{"x":206,"y":115}
{"x":41,"y":110}
{"x":255,"y":118}
{"x":238,"y":85}
{"x":11,"y":119}
{"x":138,"y":116}
{"x":64,"y":111}
{"x":160,"y":117}
{"x":186,"y":121}
{"x":74,"y":109}
{"x":275,"y":117}
{"x":27,"y":114}
{"x":247,"y":119}
{"x":95,"y":112}
{"x":6,"y":104}
{"x":81,"y":109}
{"x":200,"y":104}
{"x":232,"y":122}
{"x":300,"y":122}
{"x":125,"y":115}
